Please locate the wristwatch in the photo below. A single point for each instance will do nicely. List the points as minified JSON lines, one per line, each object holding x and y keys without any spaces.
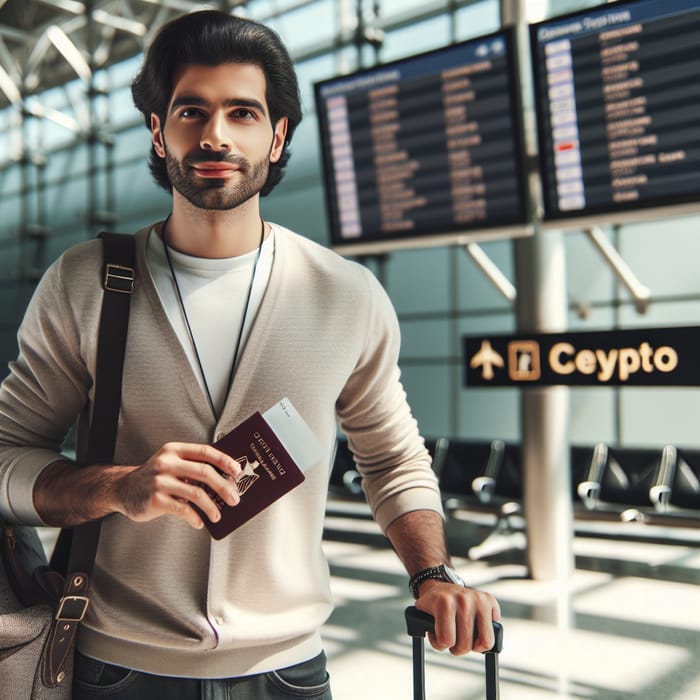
{"x":441,"y":573}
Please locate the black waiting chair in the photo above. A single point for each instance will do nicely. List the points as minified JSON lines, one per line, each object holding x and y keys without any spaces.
{"x":630,"y":480}
{"x":583,"y":457}
{"x":438,"y":448}
{"x":461,"y":462}
{"x":588,"y":485}
{"x":678,"y":482}
{"x":346,"y":481}
{"x":685,"y":488}
{"x":485,"y":476}
{"x":344,"y":478}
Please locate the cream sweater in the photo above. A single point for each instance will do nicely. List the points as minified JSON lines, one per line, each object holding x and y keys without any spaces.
{"x":166,"y":598}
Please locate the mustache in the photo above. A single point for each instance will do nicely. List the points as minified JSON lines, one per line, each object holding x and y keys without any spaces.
{"x":216,"y":157}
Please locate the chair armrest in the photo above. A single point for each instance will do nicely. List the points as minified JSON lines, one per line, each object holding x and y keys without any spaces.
{"x":442,"y":445}
{"x":589,"y":493}
{"x":660,"y":491}
{"x":588,"y":490}
{"x":484,"y":487}
{"x":352,"y":481}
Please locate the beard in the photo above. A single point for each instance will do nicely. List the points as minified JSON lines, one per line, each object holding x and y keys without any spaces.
{"x":217,"y":194}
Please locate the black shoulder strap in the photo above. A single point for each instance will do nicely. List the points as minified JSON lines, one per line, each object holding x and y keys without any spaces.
{"x":118,"y":283}
{"x":119,"y":275}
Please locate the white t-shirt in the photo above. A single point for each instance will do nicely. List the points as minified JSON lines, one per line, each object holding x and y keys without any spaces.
{"x":214,"y":293}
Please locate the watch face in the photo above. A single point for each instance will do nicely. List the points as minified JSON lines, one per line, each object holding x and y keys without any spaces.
{"x":452,"y":576}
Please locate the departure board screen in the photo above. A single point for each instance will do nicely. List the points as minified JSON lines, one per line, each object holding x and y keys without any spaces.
{"x":618,"y":102}
{"x":424,"y":147}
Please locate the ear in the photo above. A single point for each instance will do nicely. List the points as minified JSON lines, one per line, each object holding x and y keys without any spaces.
{"x":157,"y":138}
{"x":278,"y":139}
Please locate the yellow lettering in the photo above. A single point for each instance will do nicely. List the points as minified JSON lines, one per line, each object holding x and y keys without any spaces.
{"x":564,"y":358}
{"x":586,"y":362}
{"x":665,"y":359}
{"x":629,"y":363}
{"x":646,"y":352}
{"x":559,"y":349}
{"x":607,"y":364}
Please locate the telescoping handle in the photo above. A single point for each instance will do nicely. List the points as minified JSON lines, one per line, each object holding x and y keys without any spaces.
{"x":418,"y":623}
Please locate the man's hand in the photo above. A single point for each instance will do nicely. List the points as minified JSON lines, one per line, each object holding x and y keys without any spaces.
{"x":463,"y":616}
{"x":170,"y":482}
{"x":173,"y":481}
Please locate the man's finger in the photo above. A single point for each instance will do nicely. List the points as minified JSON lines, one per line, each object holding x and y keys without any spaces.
{"x":223,"y":485}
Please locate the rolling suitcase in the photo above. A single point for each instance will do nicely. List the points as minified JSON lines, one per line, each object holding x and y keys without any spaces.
{"x":417,"y":624}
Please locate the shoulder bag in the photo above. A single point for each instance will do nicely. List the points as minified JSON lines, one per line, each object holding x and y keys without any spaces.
{"x":42,"y":605}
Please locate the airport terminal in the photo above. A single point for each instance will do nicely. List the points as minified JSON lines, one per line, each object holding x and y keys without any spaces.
{"x":523,"y":179}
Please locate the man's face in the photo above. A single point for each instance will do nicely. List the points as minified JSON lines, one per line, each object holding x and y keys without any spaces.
{"x":218,"y":140}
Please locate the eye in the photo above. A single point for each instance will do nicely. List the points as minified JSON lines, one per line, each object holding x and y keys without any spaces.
{"x":243,"y":113}
{"x":191,"y":113}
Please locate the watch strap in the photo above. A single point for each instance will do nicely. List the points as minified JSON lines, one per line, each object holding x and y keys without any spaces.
{"x":435,"y":572}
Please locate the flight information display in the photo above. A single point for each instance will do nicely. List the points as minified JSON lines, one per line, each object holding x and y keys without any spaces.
{"x":618,"y":102}
{"x":424,"y":146}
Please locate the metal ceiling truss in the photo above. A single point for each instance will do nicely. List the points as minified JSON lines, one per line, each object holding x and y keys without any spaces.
{"x":44,"y":43}
{"x":62,"y":44}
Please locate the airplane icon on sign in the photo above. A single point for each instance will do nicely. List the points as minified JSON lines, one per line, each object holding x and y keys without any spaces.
{"x":486,"y":358}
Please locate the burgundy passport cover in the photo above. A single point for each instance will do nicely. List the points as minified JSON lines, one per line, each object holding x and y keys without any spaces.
{"x":269,"y":472}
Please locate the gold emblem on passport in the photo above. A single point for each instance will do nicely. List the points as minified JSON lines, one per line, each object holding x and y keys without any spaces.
{"x":248,"y":476}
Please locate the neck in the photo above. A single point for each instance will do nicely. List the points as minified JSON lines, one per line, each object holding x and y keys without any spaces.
{"x":206,"y":233}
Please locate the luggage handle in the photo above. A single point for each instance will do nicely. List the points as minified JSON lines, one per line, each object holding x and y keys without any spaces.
{"x":418,"y":623}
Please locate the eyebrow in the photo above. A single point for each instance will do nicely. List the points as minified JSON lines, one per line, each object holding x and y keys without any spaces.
{"x":194,"y":100}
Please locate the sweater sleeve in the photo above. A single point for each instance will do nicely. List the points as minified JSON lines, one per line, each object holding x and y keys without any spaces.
{"x":382,"y":432}
{"x":42,"y":395}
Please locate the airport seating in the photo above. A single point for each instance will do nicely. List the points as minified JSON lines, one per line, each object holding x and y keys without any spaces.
{"x":685,"y":483}
{"x":485,"y":476}
{"x":494,"y":474}
{"x":465,"y":461}
{"x":677,"y":483}
{"x":610,"y":483}
{"x":648,"y":485}
{"x":345,"y":480}
{"x":636,"y":479}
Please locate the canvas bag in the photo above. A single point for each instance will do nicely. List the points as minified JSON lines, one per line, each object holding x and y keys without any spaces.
{"x":27,"y":604}
{"x":40,"y":609}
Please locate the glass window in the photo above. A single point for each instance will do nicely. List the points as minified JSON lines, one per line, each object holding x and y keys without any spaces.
{"x":308,"y":72}
{"x":478,"y":19}
{"x":300,"y":27}
{"x":123,"y":73}
{"x":416,"y":38}
{"x":121,"y":107}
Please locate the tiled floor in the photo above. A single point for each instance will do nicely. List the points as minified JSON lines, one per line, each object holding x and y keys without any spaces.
{"x":626,"y":626}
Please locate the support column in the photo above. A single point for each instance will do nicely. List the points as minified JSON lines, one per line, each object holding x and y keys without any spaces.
{"x":540,"y":271}
{"x":547,"y":504}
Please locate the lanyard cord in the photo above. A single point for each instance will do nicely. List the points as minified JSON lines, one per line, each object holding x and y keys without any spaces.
{"x":187,"y":320}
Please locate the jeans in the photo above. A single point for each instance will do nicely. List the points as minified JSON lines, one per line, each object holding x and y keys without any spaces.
{"x":95,"y":680}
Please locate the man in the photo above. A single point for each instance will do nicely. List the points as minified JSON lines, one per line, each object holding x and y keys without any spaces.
{"x":229,"y":315}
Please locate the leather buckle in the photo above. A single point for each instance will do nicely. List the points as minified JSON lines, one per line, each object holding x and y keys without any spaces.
{"x":119,"y":278}
{"x":72,"y":608}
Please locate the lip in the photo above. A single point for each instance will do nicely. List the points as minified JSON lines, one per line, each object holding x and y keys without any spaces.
{"x":215,"y":170}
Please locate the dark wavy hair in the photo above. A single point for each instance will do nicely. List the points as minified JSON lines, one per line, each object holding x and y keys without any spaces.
{"x":211,"y":38}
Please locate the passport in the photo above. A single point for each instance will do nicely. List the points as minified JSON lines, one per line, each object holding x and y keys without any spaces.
{"x":274,"y":449}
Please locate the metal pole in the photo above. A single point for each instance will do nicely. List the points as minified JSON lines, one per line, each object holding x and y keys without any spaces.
{"x":492,"y":272}
{"x":541,"y":306}
{"x":639,"y":292}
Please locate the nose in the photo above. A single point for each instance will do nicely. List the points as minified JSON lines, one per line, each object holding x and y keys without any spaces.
{"x":214,"y":135}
